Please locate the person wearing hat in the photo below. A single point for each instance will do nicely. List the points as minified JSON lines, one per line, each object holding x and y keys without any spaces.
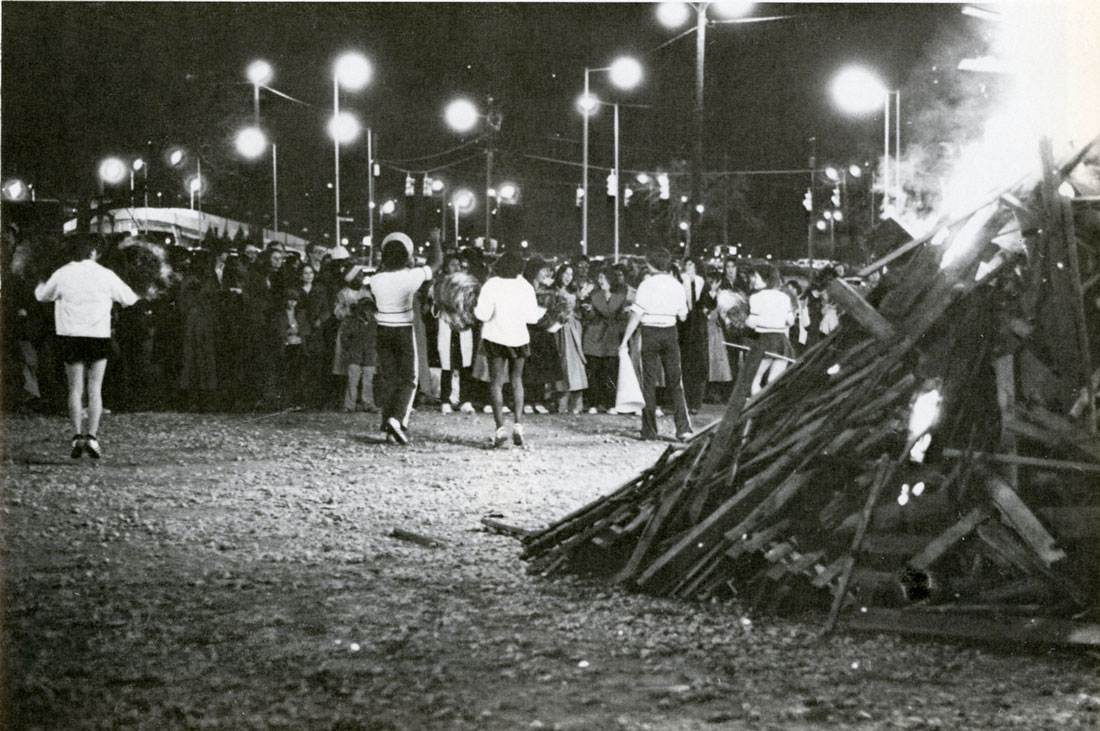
{"x":393,"y":288}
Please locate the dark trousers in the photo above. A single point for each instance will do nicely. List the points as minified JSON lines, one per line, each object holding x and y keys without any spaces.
{"x":396,"y":379}
{"x":603,"y":372}
{"x":661,"y":349}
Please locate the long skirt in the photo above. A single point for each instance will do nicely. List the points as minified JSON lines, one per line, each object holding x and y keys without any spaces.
{"x":571,"y":353}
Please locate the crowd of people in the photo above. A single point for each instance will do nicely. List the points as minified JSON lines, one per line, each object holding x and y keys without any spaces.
{"x":268,"y":329}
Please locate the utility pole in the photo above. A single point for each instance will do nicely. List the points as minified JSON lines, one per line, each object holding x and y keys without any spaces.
{"x":810,"y":215}
{"x":697,"y":153}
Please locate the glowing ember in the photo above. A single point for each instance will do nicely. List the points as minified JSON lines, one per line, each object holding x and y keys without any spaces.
{"x":925,"y":413}
{"x":833,"y":369}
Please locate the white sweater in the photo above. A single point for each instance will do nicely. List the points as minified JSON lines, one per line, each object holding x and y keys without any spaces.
{"x":84,"y":292}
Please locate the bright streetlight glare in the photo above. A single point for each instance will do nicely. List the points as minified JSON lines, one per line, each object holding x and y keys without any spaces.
{"x":464,"y":199}
{"x":112,"y":170}
{"x":588,"y":103}
{"x":508,"y":192}
{"x":625,"y":72}
{"x":832,"y":174}
{"x":343,"y":128}
{"x":15,"y":190}
{"x":683,"y":225}
{"x":176,"y":157}
{"x":838,"y":216}
{"x":461,"y":115}
{"x":388,"y":207}
{"x":437,"y":185}
{"x":673,"y":14}
{"x":855,"y":170}
{"x":732,"y":8}
{"x":857,"y":90}
{"x":138,"y":164}
{"x":352,"y":71}
{"x":828,"y":215}
{"x":251,"y":142}
{"x":260,"y":73}
{"x":820,"y":225}
{"x":195,"y":185}
{"x":642,"y":178}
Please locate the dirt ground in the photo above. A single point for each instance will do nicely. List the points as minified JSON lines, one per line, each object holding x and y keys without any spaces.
{"x":235,"y":572}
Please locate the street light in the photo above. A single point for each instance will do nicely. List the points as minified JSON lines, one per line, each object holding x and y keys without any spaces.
{"x":260,"y":74}
{"x":463,"y":200}
{"x":625,"y":73}
{"x":112,"y":171}
{"x":15,"y":190}
{"x":461,"y":115}
{"x":351,"y":71}
{"x":672,"y":17}
{"x":858,"y":91}
{"x":251,"y":143}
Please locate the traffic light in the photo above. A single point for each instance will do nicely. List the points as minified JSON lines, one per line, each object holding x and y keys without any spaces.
{"x":627,"y":193}
{"x":808,"y":200}
{"x":410,"y":185}
{"x":662,"y":186}
{"x":836,"y":196}
{"x":427,"y":188}
{"x":580,"y":197}
{"x":612,"y":184}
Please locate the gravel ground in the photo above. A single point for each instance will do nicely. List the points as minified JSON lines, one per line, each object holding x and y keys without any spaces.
{"x":236,"y":572}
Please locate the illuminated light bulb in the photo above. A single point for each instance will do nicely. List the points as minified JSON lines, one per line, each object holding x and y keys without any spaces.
{"x":461,"y":115}
{"x":833,"y":369}
{"x":673,"y":14}
{"x":918,"y":489}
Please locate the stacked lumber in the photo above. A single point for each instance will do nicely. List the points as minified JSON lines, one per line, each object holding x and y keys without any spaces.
{"x":937,"y":450}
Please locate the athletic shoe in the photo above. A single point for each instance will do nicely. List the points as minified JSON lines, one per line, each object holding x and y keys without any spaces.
{"x":505,"y":410}
{"x":466,"y":407}
{"x":91,"y":446}
{"x":393,"y":428}
{"x":446,"y":408}
{"x":593,"y":410}
{"x":78,"y":446}
{"x":540,"y":409}
{"x":487,"y":409}
{"x":528,"y":409}
{"x":659,"y":412}
{"x":517,"y":435}
{"x":613,"y":411}
{"x":500,"y":437}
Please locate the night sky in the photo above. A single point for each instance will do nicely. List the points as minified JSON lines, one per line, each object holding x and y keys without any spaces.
{"x":85,"y":80}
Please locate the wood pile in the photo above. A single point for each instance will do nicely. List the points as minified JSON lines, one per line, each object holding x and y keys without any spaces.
{"x":935,"y":456}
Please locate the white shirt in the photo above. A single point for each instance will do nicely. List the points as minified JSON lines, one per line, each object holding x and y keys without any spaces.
{"x":393,"y":293}
{"x":660,"y":300}
{"x":84,"y":292}
{"x":700,"y":284}
{"x":770,"y":311}
{"x":506,"y":306}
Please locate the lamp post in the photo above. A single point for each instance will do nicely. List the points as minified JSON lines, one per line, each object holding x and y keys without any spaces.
{"x":463,"y":200}
{"x":676,"y":14}
{"x":352,"y":71}
{"x":625,"y":73}
{"x":857,"y":90}
{"x":462,"y":116}
{"x":260,"y":74}
{"x":251,"y":143}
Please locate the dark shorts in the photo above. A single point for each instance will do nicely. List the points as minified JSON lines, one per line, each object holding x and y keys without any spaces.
{"x":83,"y":350}
{"x":777,"y":343}
{"x":507,"y":352}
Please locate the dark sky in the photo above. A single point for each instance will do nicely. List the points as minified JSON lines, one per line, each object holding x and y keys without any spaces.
{"x":84,"y":80}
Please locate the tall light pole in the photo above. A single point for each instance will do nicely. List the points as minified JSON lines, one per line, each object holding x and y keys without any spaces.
{"x":857,"y":90}
{"x":675,"y":15}
{"x":251,"y":143}
{"x":462,"y":116}
{"x":260,"y":74}
{"x":463,"y":200}
{"x":353,"y":72}
{"x":625,"y":73}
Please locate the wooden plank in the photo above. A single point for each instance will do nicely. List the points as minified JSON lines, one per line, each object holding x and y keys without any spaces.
{"x":420,"y":540}
{"x":943,"y":542}
{"x":962,"y":626}
{"x":1019,"y":516}
{"x":1075,"y":523}
{"x":1018,"y":459}
{"x":1004,"y":370}
{"x":508,"y":530}
{"x":853,"y":303}
{"x":1065,"y":429}
{"x":883,"y":471}
{"x":667,"y":503}
{"x":895,"y":544}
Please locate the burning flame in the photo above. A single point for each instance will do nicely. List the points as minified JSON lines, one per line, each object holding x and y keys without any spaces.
{"x":924,"y":413}
{"x":1048,"y":54}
